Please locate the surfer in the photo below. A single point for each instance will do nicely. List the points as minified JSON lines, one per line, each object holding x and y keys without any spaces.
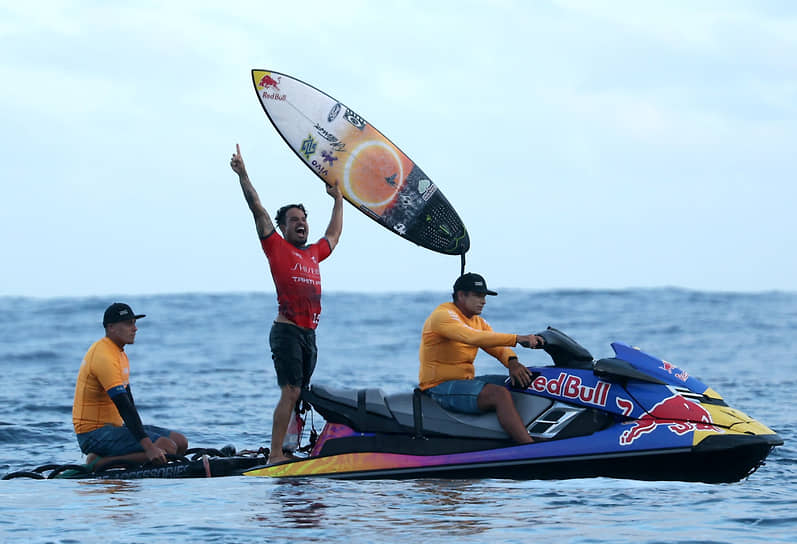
{"x":296,"y":275}
{"x":451,"y":338}
{"x":103,"y":401}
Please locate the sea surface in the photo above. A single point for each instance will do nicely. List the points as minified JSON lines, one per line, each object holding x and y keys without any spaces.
{"x":201,"y":365}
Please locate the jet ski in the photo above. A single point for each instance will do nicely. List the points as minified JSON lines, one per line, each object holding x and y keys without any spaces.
{"x":629,"y":416}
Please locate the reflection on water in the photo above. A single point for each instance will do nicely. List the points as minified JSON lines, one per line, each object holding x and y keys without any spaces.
{"x":115,"y":500}
{"x":452,"y":506}
{"x":108,"y":487}
{"x":376,"y":507}
{"x":462,"y":508}
{"x":300,"y":502}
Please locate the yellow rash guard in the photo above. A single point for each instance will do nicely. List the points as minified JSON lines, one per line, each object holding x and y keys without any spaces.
{"x":104,"y":368}
{"x":449,"y":344}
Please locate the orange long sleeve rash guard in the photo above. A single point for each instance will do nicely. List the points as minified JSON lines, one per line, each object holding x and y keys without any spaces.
{"x":450,"y":342}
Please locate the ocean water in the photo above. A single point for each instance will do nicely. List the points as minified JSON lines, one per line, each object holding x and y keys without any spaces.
{"x":201,"y":365}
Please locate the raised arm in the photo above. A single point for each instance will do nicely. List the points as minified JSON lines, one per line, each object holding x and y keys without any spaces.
{"x":336,"y":221}
{"x":263,"y":223}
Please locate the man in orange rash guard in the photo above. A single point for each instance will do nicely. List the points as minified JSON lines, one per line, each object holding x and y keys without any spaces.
{"x":451,"y":338}
{"x":297,"y":278}
{"x":104,"y":415}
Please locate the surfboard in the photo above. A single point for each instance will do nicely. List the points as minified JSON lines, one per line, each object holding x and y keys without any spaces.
{"x":373,"y":174}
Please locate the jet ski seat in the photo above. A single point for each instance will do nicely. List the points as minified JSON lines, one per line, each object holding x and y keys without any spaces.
{"x":371,"y":411}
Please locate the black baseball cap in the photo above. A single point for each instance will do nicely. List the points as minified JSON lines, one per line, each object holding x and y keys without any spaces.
{"x":473,"y":283}
{"x":117,"y":312}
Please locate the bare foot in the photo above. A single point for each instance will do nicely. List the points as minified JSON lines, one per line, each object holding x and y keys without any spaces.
{"x":94,"y":462}
{"x":273,"y":459}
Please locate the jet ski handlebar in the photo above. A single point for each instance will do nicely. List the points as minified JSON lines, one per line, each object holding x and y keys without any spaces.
{"x":528,"y":345}
{"x":564,"y":350}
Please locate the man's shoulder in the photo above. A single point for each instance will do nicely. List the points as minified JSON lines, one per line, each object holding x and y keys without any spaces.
{"x":445,"y":307}
{"x":104,"y":348}
{"x":446,"y":311}
{"x":100,"y":345}
{"x":321,"y":248}
{"x":271,"y":240}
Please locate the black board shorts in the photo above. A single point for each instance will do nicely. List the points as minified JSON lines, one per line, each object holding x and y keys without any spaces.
{"x":294,"y":352}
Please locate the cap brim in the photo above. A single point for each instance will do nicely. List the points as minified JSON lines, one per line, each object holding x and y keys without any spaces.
{"x":484,"y":292}
{"x":112,"y":321}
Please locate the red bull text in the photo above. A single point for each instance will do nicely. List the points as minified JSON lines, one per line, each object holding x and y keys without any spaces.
{"x":569,"y":386}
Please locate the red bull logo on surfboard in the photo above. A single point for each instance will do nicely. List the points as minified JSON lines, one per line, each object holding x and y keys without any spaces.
{"x":676,"y":413}
{"x":267,"y":82}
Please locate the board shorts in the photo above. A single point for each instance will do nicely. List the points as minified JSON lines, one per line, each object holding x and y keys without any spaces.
{"x":294,"y":352}
{"x":462,"y":395}
{"x":110,"y":440}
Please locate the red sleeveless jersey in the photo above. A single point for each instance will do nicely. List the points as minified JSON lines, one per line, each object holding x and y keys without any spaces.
{"x":297,"y":277}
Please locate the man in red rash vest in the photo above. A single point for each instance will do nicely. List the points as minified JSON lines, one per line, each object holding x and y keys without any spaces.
{"x":294,"y":268}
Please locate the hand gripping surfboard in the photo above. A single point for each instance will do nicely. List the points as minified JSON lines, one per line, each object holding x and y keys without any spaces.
{"x":373,"y":174}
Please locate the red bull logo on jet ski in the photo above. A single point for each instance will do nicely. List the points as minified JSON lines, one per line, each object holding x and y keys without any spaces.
{"x":571,"y":387}
{"x":676,"y":413}
{"x":669,"y":367}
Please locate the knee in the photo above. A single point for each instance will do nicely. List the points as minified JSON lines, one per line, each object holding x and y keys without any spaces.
{"x":167,"y":444}
{"x":495,"y":394}
{"x":291,"y":393}
{"x":180,"y":441}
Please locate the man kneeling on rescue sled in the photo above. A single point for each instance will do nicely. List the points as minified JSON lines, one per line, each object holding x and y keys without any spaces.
{"x":106,"y":421}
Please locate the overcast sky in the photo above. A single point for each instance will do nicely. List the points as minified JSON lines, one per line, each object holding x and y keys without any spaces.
{"x":585,"y":144}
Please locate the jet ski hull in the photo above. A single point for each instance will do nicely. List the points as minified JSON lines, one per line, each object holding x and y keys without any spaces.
{"x":717,"y":459}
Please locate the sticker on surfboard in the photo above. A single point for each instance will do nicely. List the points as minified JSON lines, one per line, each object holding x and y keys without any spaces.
{"x":373,"y":174}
